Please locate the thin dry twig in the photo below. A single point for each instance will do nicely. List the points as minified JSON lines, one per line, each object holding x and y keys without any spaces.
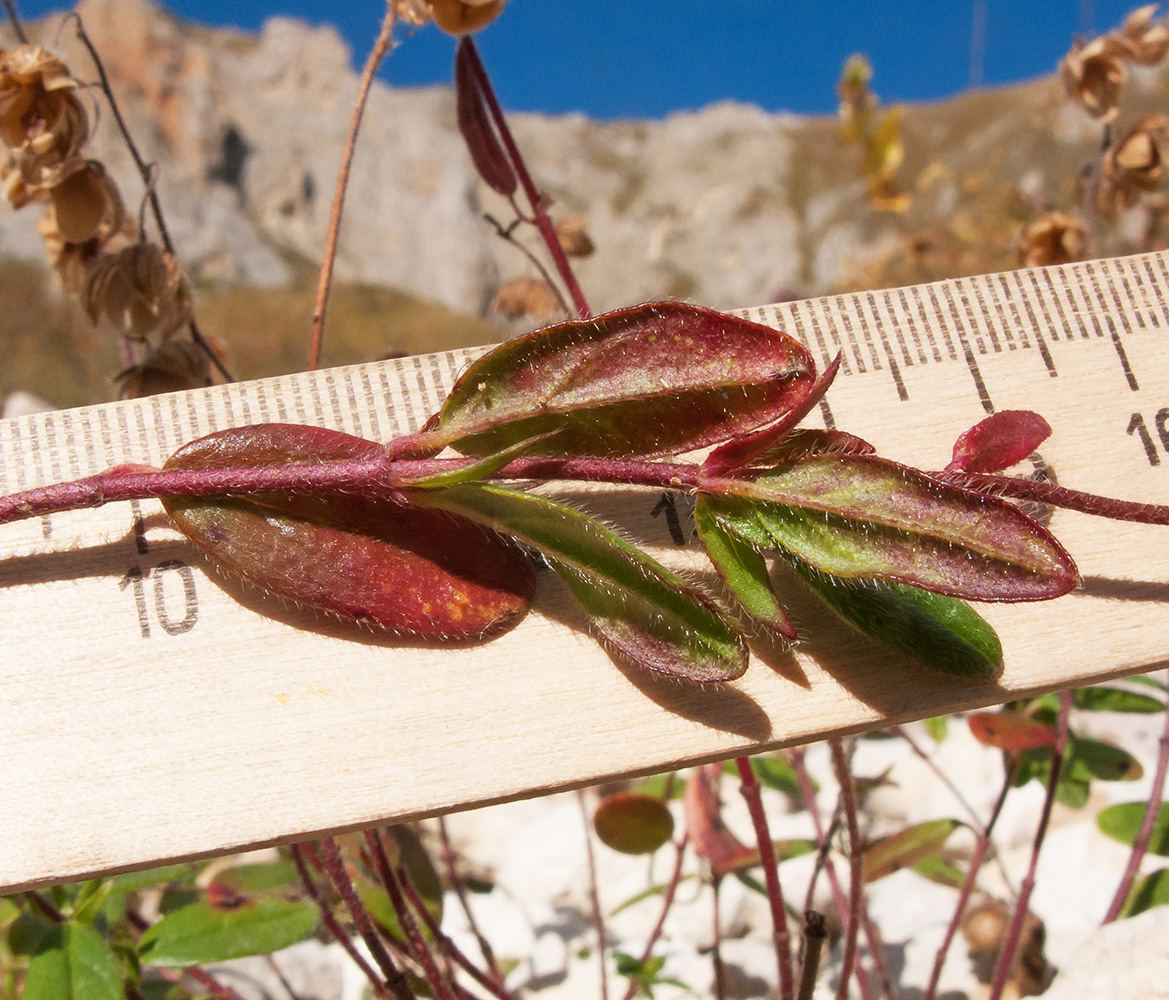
{"x":380,"y":47}
{"x":814,"y":936}
{"x":14,"y":18}
{"x":146,"y":172}
{"x":848,"y":797}
{"x":457,"y":883}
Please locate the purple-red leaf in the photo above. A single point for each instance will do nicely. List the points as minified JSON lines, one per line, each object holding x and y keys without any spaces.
{"x":711,"y":837}
{"x":364,"y":558}
{"x":862,"y":516}
{"x":486,"y":153}
{"x":651,"y":380}
{"x":740,"y":452}
{"x":999,"y":441}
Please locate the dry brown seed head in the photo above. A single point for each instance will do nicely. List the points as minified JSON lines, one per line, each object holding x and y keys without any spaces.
{"x":141,"y":290}
{"x":1144,"y":41}
{"x":573,"y":234}
{"x":461,"y":17}
{"x":1093,"y":75}
{"x":85,"y":203}
{"x":38,"y":108}
{"x":1135,"y":165}
{"x":175,"y":365}
{"x":526,"y":296}
{"x":416,"y":12}
{"x":1053,"y":238}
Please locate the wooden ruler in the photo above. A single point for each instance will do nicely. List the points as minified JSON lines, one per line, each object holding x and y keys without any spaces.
{"x":151,"y":711}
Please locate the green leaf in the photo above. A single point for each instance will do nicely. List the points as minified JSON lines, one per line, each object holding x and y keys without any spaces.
{"x":27,"y":933}
{"x":1087,"y":759}
{"x":1150,"y":891}
{"x":640,"y":609}
{"x":133,"y":881}
{"x":75,"y":963}
{"x":199,"y":933}
{"x":941,"y":632}
{"x":478,"y":469}
{"x":936,"y":727}
{"x":939,"y":871}
{"x":405,"y":850}
{"x":905,"y":848}
{"x":260,"y":877}
{"x":90,"y":899}
{"x":743,"y":570}
{"x":1109,"y":699}
{"x":772,"y":772}
{"x":1073,"y":792}
{"x":633,"y":823}
{"x":1123,"y":822}
{"x":670,"y":785}
{"x":650,"y":380}
{"x":366,"y":559}
{"x":862,"y":516}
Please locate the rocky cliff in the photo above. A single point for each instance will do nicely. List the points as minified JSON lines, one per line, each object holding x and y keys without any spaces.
{"x":726,"y":206}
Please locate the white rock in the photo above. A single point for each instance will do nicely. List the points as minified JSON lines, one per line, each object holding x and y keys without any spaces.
{"x":1126,"y":960}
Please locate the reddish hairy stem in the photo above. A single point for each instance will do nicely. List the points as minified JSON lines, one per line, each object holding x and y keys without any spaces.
{"x":980,"y":848}
{"x":375,"y":475}
{"x":749,"y":786}
{"x":419,"y":949}
{"x":848,"y":796}
{"x":299,"y":852}
{"x":667,"y":903}
{"x":539,"y":216}
{"x":1011,"y":943}
{"x":1058,"y":496}
{"x":1140,"y":845}
{"x":334,"y":867}
{"x":449,"y":948}
{"x":380,"y":47}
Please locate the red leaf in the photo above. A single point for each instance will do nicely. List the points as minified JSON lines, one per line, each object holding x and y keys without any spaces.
{"x":652,"y":380}
{"x":1007,"y":730}
{"x":370,"y":559}
{"x":486,"y":153}
{"x":705,"y":827}
{"x":999,"y":441}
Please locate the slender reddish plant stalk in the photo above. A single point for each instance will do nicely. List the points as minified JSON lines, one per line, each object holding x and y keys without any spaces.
{"x":380,"y":47}
{"x":749,"y":786}
{"x":449,"y":947}
{"x":855,"y":888}
{"x":981,"y":847}
{"x":1140,"y":845}
{"x":716,"y":934}
{"x":1011,"y":944}
{"x":330,"y":921}
{"x":594,"y":895}
{"x":419,"y":949}
{"x":815,"y":935}
{"x":823,"y":841}
{"x":450,"y":861}
{"x":334,"y":867}
{"x":535,"y":201}
{"x":667,"y":903}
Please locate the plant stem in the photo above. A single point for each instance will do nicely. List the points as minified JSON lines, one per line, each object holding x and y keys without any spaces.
{"x":667,"y":903}
{"x":334,"y":867}
{"x":1011,"y":943}
{"x":814,"y":936}
{"x":419,"y":950}
{"x":976,"y":858}
{"x":749,"y":786}
{"x":14,"y":18}
{"x":1140,"y":845}
{"x":380,"y":47}
{"x":1058,"y":496}
{"x":495,"y":988}
{"x":48,"y":909}
{"x":535,"y":201}
{"x":330,"y":921}
{"x":594,"y":895}
{"x":716,"y":933}
{"x":456,"y":881}
{"x":146,"y":173}
{"x":848,"y":796}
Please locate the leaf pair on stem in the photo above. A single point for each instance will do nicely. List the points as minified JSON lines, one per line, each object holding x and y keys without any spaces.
{"x":414,"y":542}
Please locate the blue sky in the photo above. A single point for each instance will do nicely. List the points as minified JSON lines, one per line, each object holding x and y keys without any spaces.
{"x":645,"y":58}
